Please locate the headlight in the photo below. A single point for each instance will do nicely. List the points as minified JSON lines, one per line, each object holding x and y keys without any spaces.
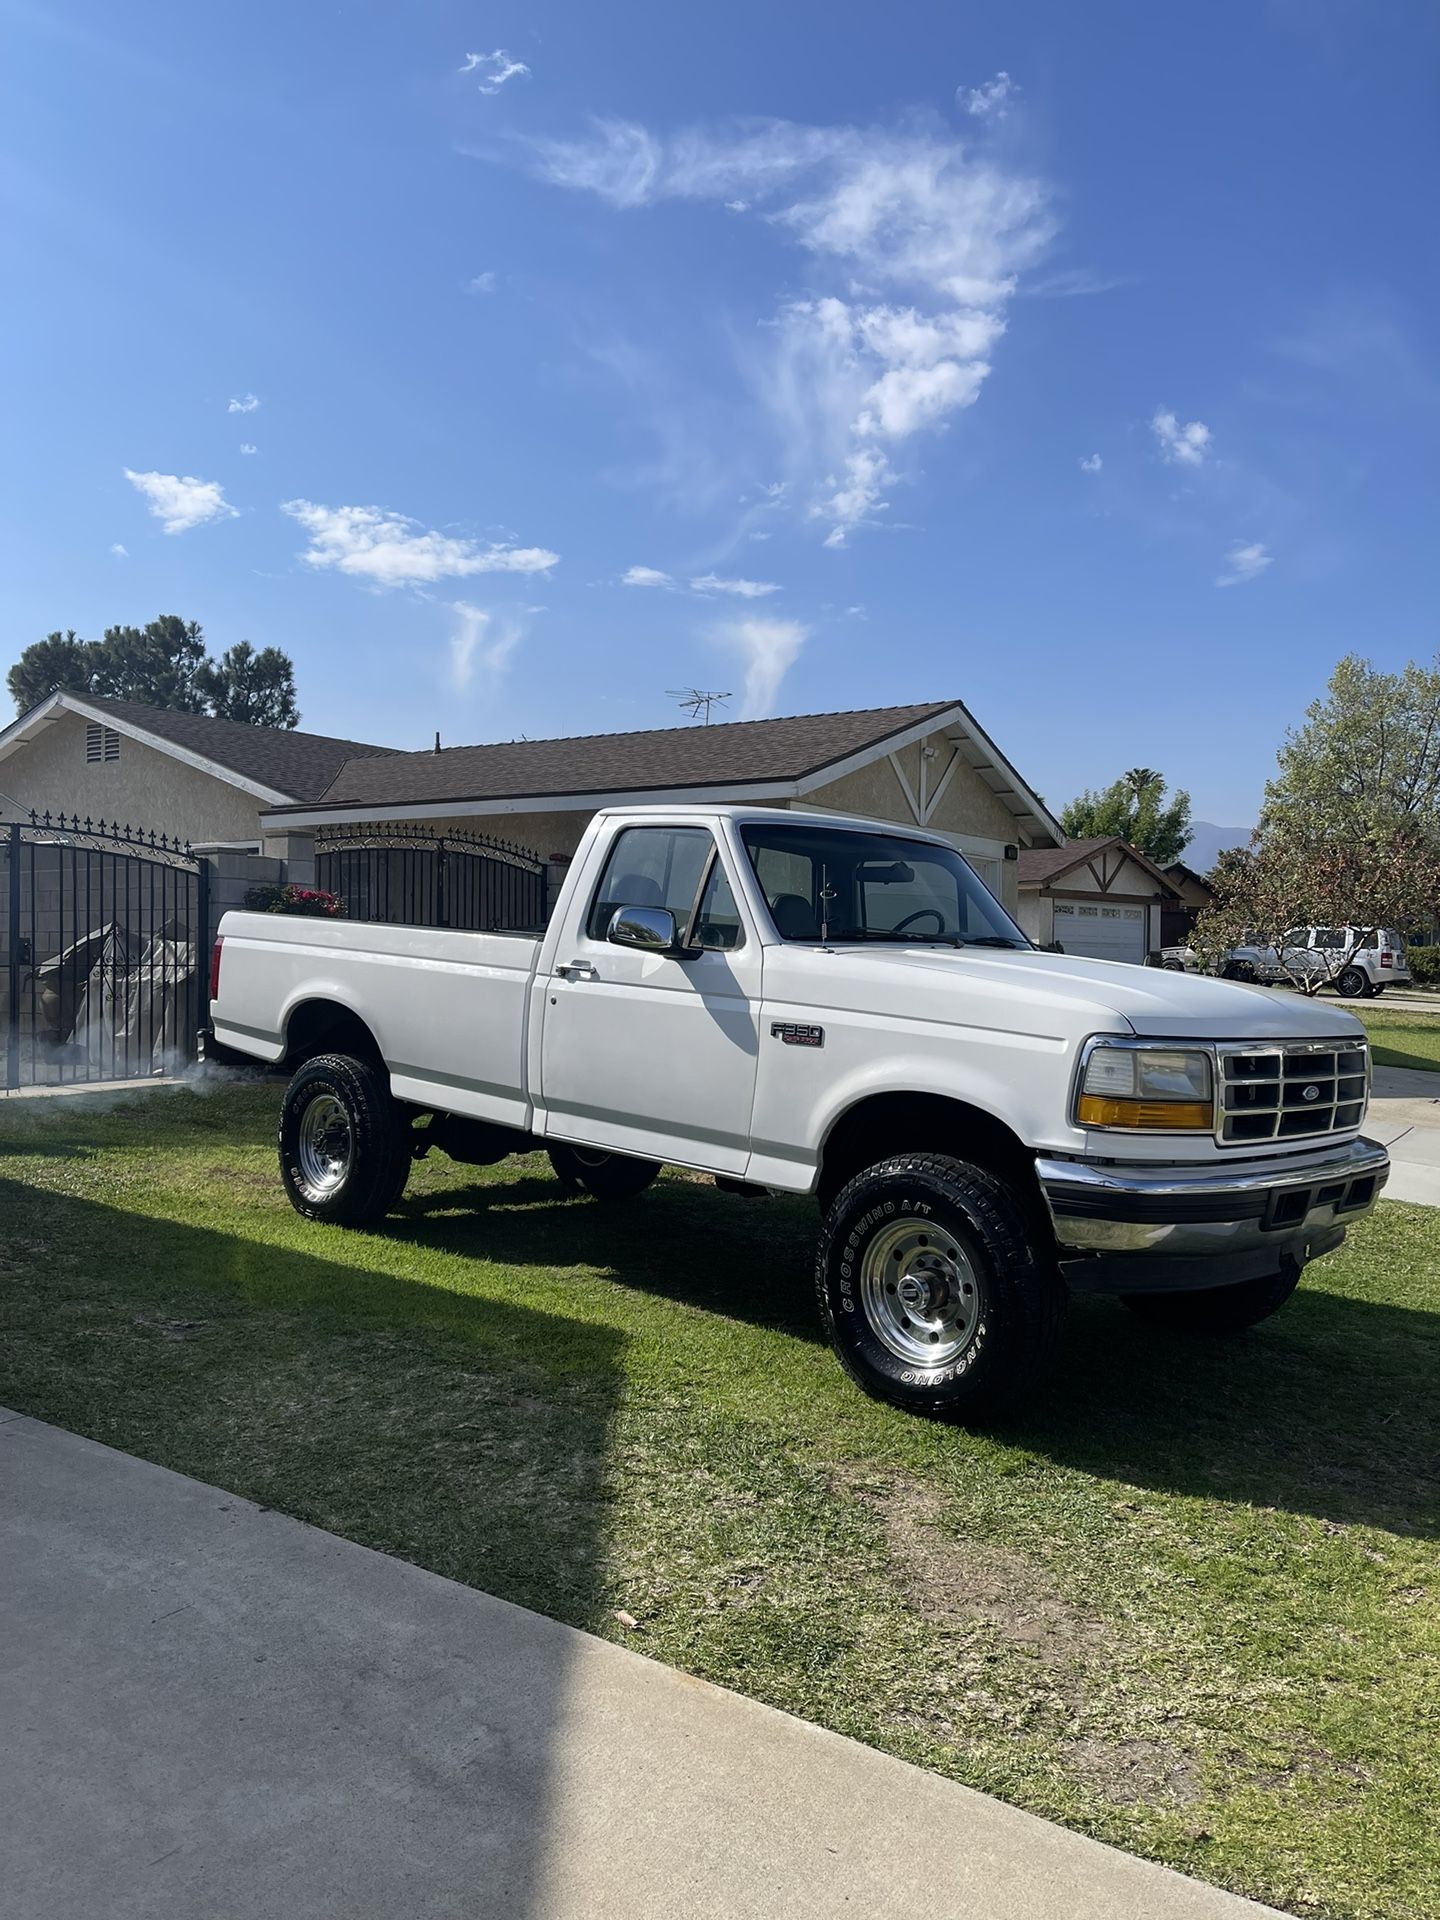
{"x":1164,"y":1089}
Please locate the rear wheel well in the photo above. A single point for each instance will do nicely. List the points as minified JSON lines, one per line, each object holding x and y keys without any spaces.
{"x":324,"y":1026}
{"x":891,"y":1123}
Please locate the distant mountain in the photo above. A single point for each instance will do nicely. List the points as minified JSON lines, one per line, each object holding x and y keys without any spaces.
{"x":1208,"y":842}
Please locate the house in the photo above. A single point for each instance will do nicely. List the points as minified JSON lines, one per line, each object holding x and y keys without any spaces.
{"x":1098,"y":897}
{"x":206,"y":781}
{"x":1195,"y":894}
{"x":929,"y":765}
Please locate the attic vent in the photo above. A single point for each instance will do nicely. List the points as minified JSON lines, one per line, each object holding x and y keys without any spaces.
{"x":101,"y":743}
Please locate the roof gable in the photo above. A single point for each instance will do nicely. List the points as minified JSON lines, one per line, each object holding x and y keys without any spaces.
{"x":275,"y":764}
{"x":1042,"y":867}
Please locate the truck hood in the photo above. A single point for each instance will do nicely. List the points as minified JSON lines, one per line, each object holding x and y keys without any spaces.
{"x":1149,"y":1000}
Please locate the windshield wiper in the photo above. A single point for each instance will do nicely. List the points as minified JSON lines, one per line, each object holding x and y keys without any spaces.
{"x":996,"y":940}
{"x":900,"y":939}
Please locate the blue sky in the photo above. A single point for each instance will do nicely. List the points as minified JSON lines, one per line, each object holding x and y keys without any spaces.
{"x":510,"y":365}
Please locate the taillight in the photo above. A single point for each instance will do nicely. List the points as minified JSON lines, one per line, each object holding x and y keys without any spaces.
{"x":1387,"y":959}
{"x":215,"y":966}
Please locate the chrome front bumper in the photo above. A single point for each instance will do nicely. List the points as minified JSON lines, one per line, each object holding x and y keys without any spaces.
{"x":1119,"y":1226}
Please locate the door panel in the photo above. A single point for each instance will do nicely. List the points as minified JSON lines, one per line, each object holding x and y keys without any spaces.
{"x":648,"y":1053}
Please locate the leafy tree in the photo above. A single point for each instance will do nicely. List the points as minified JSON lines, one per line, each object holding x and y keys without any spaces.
{"x":256,"y":688}
{"x":1135,"y":808}
{"x":162,"y":664}
{"x":1367,"y":759}
{"x":59,"y":660}
{"x":1289,"y":880}
{"x":158,"y":664}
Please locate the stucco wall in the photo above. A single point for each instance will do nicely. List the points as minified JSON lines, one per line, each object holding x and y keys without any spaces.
{"x":143,"y":788}
{"x":967,"y":806}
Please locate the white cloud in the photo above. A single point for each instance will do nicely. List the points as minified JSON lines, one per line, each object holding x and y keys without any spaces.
{"x":480,"y":644}
{"x":494,"y":69}
{"x":1092,"y":465}
{"x":1245,"y":563}
{"x":737,"y":206}
{"x":180,"y":501}
{"x":767,"y":650}
{"x":1184,"y":446}
{"x":742,"y":589}
{"x":120,"y":553}
{"x":990,"y":102}
{"x":645,"y":577}
{"x":482,"y":282}
{"x":371,"y":543}
{"x":926,"y":243}
{"x":248,"y":446}
{"x":247,"y":403}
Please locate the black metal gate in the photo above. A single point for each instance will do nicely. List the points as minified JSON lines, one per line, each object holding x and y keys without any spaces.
{"x":103,"y":937}
{"x":415,"y":877}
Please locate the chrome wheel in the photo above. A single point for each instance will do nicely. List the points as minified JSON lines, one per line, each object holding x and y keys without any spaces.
{"x":325,"y":1144}
{"x":920,"y":1293}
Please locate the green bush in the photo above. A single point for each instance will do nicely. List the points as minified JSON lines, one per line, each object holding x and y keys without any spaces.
{"x":1425,"y":966}
{"x":313,"y":902}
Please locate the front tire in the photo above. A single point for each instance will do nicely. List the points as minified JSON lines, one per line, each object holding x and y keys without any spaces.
{"x":604,"y":1176}
{"x":1351,"y":984}
{"x":344,"y":1146}
{"x":936,"y":1291}
{"x":1218,"y":1310}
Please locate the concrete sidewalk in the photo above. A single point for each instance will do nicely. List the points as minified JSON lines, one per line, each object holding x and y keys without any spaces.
{"x":209,"y":1711}
{"x":1405,"y":1117}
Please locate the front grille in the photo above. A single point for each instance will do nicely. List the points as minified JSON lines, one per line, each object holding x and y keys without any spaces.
{"x":1291,"y":1090}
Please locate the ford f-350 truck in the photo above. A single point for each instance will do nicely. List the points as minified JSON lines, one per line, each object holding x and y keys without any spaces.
{"x":810,"y":1003}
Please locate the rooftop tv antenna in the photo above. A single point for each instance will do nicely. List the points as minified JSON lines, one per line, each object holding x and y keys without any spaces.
{"x":696,"y":701}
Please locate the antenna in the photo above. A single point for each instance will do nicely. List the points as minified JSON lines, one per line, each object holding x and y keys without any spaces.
{"x":695,"y":701}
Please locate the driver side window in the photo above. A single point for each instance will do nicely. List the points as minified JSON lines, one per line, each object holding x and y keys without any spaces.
{"x":651,"y":867}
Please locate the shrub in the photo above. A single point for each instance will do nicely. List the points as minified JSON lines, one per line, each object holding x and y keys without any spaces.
{"x":313,"y":902}
{"x":1425,"y":966}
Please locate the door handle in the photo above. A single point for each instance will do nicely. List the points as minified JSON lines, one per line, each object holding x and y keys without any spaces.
{"x":576,"y":969}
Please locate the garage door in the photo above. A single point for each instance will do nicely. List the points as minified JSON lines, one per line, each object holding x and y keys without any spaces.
{"x":1100,"y":932}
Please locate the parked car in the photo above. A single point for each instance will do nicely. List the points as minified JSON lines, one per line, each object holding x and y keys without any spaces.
{"x":805,"y":1003}
{"x":1356,"y":961}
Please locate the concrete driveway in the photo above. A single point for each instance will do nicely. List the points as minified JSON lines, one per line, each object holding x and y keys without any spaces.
{"x":211,"y":1712}
{"x":1405,"y":1116}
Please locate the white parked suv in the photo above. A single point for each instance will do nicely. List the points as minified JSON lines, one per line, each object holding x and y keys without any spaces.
{"x":1356,"y":961}
{"x":805,"y":1003}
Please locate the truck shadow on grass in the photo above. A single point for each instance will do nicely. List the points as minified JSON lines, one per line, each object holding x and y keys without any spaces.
{"x":1330,"y":1409}
{"x":412,"y":1419}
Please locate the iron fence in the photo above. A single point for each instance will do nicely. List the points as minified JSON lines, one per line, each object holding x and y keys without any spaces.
{"x":416,"y":877}
{"x":103,"y":930}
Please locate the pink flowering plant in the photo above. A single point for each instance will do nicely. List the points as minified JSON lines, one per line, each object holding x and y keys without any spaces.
{"x":312,"y":902}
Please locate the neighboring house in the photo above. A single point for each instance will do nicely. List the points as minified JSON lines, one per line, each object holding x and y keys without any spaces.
{"x":1102,"y":898}
{"x":1194,"y":895}
{"x":929,"y":765}
{"x":206,"y":781}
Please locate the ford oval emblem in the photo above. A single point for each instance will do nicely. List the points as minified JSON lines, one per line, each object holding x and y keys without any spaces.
{"x":1311,"y":1093}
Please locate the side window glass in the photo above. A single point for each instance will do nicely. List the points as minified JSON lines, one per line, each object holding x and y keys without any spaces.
{"x":650,"y":867}
{"x":717,"y":924}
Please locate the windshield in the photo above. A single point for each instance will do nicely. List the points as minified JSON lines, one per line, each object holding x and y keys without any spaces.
{"x":839,"y":884}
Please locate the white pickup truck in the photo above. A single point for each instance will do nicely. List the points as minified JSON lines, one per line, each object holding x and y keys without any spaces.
{"x":809,"y":1003}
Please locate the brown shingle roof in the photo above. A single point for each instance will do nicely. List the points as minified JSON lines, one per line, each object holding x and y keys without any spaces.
{"x":1040,"y":865}
{"x":734,"y":753}
{"x":301,"y":765}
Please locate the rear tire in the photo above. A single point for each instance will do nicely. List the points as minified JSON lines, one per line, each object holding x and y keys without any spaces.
{"x":1218,"y":1310}
{"x":1351,"y":984}
{"x":935,"y":1289}
{"x":344,"y":1143}
{"x":604,"y":1176}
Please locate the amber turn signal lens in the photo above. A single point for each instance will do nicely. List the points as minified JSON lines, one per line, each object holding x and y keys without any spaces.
{"x":1177,"y":1116}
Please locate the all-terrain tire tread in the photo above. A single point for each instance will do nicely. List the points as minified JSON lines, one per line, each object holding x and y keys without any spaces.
{"x":380,"y":1136}
{"x":1001,"y":1221}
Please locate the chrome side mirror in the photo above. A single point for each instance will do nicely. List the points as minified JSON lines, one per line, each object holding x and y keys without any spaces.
{"x":651,"y":929}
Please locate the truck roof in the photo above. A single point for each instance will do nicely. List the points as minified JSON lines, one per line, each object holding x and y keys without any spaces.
{"x":741,"y":814}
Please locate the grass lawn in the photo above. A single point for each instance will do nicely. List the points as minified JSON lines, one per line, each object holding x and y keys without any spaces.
{"x":1187,"y":1604}
{"x":1402,"y":1039}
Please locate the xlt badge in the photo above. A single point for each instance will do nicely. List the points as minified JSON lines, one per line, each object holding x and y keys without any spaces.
{"x":794,"y":1036}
